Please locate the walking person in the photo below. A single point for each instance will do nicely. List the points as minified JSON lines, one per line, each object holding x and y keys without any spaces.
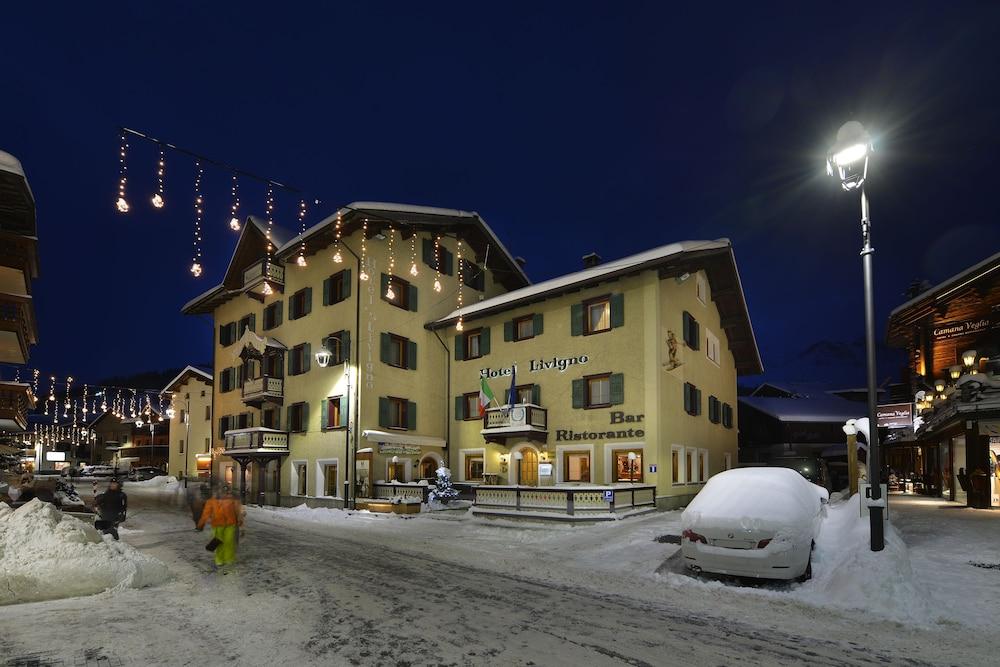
{"x":225,"y":514}
{"x":111,"y":507}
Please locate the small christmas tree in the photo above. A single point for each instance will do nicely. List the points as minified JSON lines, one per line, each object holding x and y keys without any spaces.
{"x":445,"y":491}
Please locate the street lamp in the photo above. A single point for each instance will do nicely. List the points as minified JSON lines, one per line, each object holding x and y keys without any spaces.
{"x":323,"y":357}
{"x":955,"y":372}
{"x":969,"y":358}
{"x":631,"y":467}
{"x":848,"y":160}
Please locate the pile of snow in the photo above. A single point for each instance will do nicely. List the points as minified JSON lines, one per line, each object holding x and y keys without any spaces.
{"x":45,"y":554}
{"x":167,"y":482}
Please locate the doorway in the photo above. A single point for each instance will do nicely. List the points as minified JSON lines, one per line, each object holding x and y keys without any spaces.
{"x":527,"y":471}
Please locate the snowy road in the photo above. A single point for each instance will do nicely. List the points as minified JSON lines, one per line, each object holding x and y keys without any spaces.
{"x":394,"y":592}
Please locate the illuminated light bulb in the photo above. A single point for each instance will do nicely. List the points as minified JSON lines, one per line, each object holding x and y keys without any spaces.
{"x":437,"y":285}
{"x":267,"y":289}
{"x":413,"y":270}
{"x":234,"y":224}
{"x":158,"y":201}
{"x":196,"y":269}
{"x":104,"y":406}
{"x":337,"y":258}
{"x":362,"y":276}
{"x":138,"y":423}
{"x":301,"y":261}
{"x":389,"y":293}
{"x":459,"y":327}
{"x":122,"y":205}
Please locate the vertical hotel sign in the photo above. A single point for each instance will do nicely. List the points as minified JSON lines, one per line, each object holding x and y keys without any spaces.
{"x":895,"y":415}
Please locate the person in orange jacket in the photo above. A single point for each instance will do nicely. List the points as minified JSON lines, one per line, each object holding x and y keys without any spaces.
{"x":225,"y":514}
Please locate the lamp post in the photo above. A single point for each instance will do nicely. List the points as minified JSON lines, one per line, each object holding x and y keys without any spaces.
{"x":851,"y":431}
{"x":187,"y":437}
{"x":848,"y":160}
{"x":631,"y":467}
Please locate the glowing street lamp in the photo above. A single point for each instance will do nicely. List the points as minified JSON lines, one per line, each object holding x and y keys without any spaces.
{"x":323,"y":358}
{"x":969,"y":358}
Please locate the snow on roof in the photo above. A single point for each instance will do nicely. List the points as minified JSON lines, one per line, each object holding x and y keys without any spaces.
{"x":817,"y":409}
{"x":939,"y":290}
{"x":188,"y":370}
{"x":561,"y":283}
{"x":10,"y":163}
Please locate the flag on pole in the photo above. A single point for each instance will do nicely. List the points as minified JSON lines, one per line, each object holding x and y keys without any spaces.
{"x":485,"y":396}
{"x":512,"y":393}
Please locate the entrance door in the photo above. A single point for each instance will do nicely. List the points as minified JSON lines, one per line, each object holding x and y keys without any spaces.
{"x":428,"y":468}
{"x":527,"y":474}
{"x":362,"y":472}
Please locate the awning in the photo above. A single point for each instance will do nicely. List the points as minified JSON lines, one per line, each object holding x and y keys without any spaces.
{"x":402,"y":438}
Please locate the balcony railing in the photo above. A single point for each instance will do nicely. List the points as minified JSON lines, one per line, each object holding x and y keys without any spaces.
{"x":566,"y":500}
{"x":254,"y":274}
{"x":256,"y":440}
{"x":522,"y":419}
{"x":401,"y":490}
{"x":264,"y":388}
{"x":16,"y":317}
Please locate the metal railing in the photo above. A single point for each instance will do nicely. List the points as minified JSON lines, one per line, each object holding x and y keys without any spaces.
{"x":566,"y":500}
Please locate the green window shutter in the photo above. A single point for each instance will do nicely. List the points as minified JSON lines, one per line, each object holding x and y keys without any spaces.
{"x":343,"y":411}
{"x":324,"y":416}
{"x":428,"y":252}
{"x":411,"y":416}
{"x":383,"y":412}
{"x":345,"y":344}
{"x":536,"y":394}
{"x":508,"y":331}
{"x":253,"y":322}
{"x":576,"y":320}
{"x":412,"y":297}
{"x":278,"y":307}
{"x":617,"y":310}
{"x":306,"y":358}
{"x":222,"y":334}
{"x":687,"y":398}
{"x":536,"y":324}
{"x":697,"y":401}
{"x":579,"y":393}
{"x":346,"y":285}
{"x":459,"y":408}
{"x":459,"y":347}
{"x":288,"y":416}
{"x":411,"y":355}
{"x":291,"y":309}
{"x":484,"y":341}
{"x":308,"y":301}
{"x":686,"y":327}
{"x":305,"y":417}
{"x":696,"y":334}
{"x":383,"y":348}
{"x":449,"y":262}
{"x":327,"y":295}
{"x":383,"y":285}
{"x":617,"y":388}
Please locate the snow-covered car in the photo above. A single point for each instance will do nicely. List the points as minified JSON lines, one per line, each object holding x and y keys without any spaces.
{"x":754,"y":522}
{"x":98,"y":471}
{"x":144,"y":473}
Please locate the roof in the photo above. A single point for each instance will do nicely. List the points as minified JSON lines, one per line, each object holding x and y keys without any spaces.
{"x":716,"y":257}
{"x":809,"y":389}
{"x":819,"y":409}
{"x":189,"y":371}
{"x":924,"y":303}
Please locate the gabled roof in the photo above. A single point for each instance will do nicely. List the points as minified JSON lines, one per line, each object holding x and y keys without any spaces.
{"x":188,"y":372}
{"x":820,"y":409}
{"x":715,"y":257}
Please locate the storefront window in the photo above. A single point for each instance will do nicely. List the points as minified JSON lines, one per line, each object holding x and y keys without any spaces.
{"x":474,"y":466}
{"x":961,"y":477}
{"x":577,"y":466}
{"x":627,"y":469}
{"x":330,"y":479}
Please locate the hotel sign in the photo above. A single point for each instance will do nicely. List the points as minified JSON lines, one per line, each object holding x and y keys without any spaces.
{"x":393,"y":448}
{"x":895,"y":415}
{"x":960,"y":328}
{"x":560,"y":364}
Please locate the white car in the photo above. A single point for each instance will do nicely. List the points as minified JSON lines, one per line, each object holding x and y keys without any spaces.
{"x":754,"y":522}
{"x":98,"y":471}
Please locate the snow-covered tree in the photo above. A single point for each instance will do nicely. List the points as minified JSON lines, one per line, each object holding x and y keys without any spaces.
{"x":445,"y":491}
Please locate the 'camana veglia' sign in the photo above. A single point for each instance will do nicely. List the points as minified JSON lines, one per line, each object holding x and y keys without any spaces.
{"x":946,"y":330}
{"x":560,"y":364}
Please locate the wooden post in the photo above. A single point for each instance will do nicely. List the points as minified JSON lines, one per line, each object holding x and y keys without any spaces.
{"x":852,"y":463}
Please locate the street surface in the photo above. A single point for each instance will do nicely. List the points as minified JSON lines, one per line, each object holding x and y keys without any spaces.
{"x":315,"y":594}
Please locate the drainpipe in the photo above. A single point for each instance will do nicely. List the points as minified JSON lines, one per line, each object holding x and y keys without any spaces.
{"x":447,"y":399}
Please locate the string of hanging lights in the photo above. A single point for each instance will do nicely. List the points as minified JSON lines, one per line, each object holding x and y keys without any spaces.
{"x":363,"y":274}
{"x":234,"y":220}
{"x":157,"y":199}
{"x":458,"y":325}
{"x":196,"y":257}
{"x":413,"y":255}
{"x":389,"y":292}
{"x":301,"y":261}
{"x":337,"y":257}
{"x":437,"y":263}
{"x":122,"y":203}
{"x":270,"y":247}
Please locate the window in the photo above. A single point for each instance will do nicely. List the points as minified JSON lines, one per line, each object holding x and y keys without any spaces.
{"x":300,"y":474}
{"x":522,"y":328}
{"x":703,"y":465}
{"x":246,"y":322}
{"x":474,"y":467}
{"x":467,"y":406}
{"x":208,"y":412}
{"x":339,"y":346}
{"x":692,"y":399}
{"x":712,"y":347}
{"x":270,"y":418}
{"x":298,"y":416}
{"x":397,"y":471}
{"x":182,"y":416}
{"x":676,"y":464}
{"x":208,"y":444}
{"x":472,"y":275}
{"x":227,"y":334}
{"x":397,"y":413}
{"x":597,"y":391}
{"x":330,"y":480}
{"x":701,"y":288}
{"x":404,"y":295}
{"x":691,"y":465}
{"x":334,"y":412}
{"x":337,"y":288}
{"x":273,"y":314}
{"x":227,"y":380}
{"x":182,"y":446}
{"x":300,"y":303}
{"x":438,"y":257}
{"x":398,"y":351}
{"x":299,"y":358}
{"x":576,"y":467}
{"x":472,"y":344}
{"x":727,"y":415}
{"x":597,"y":315}
{"x":244,"y":420}
{"x":224,"y":426}
{"x":692,"y":331}
{"x":203,"y":393}
{"x":714,"y":410}
{"x":273,"y":365}
{"x":525,"y":393}
{"x":627,"y":468}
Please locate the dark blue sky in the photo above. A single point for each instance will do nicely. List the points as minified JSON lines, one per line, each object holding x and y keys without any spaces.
{"x":612,"y":127}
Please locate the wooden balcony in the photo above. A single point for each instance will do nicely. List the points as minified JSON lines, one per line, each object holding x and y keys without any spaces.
{"x":265,"y":389}
{"x":523,"y":420}
{"x":256,"y":441}
{"x":255,"y":276}
{"x":17,"y":328}
{"x":15,"y":401}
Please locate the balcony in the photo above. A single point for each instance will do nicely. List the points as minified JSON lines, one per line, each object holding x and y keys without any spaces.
{"x":254,"y":277}
{"x":265,"y":389}
{"x":256,"y":441}
{"x":15,"y":401}
{"x":17,"y":328}
{"x":523,"y":420}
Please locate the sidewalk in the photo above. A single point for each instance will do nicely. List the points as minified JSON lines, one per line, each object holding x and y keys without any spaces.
{"x":945,"y":539}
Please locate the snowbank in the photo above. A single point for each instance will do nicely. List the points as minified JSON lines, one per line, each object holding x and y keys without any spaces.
{"x":45,"y":554}
{"x":166,"y":482}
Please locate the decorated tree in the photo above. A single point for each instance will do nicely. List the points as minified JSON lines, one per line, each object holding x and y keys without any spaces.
{"x":445,"y":491}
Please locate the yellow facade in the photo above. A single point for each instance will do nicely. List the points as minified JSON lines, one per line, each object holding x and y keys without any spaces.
{"x":190,"y":395}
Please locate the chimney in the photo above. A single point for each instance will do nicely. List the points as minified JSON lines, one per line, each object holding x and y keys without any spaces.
{"x":591,"y":260}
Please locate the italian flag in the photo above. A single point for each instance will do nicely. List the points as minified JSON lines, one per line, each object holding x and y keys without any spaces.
{"x":485,"y":396}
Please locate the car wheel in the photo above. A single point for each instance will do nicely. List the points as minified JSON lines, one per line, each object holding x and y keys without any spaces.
{"x":807,"y":575}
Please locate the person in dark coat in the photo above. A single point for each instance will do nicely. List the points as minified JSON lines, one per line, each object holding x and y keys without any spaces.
{"x":197,"y":496}
{"x":111,"y":507}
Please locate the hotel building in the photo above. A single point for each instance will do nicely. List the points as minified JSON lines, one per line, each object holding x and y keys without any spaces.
{"x":623,"y":373}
